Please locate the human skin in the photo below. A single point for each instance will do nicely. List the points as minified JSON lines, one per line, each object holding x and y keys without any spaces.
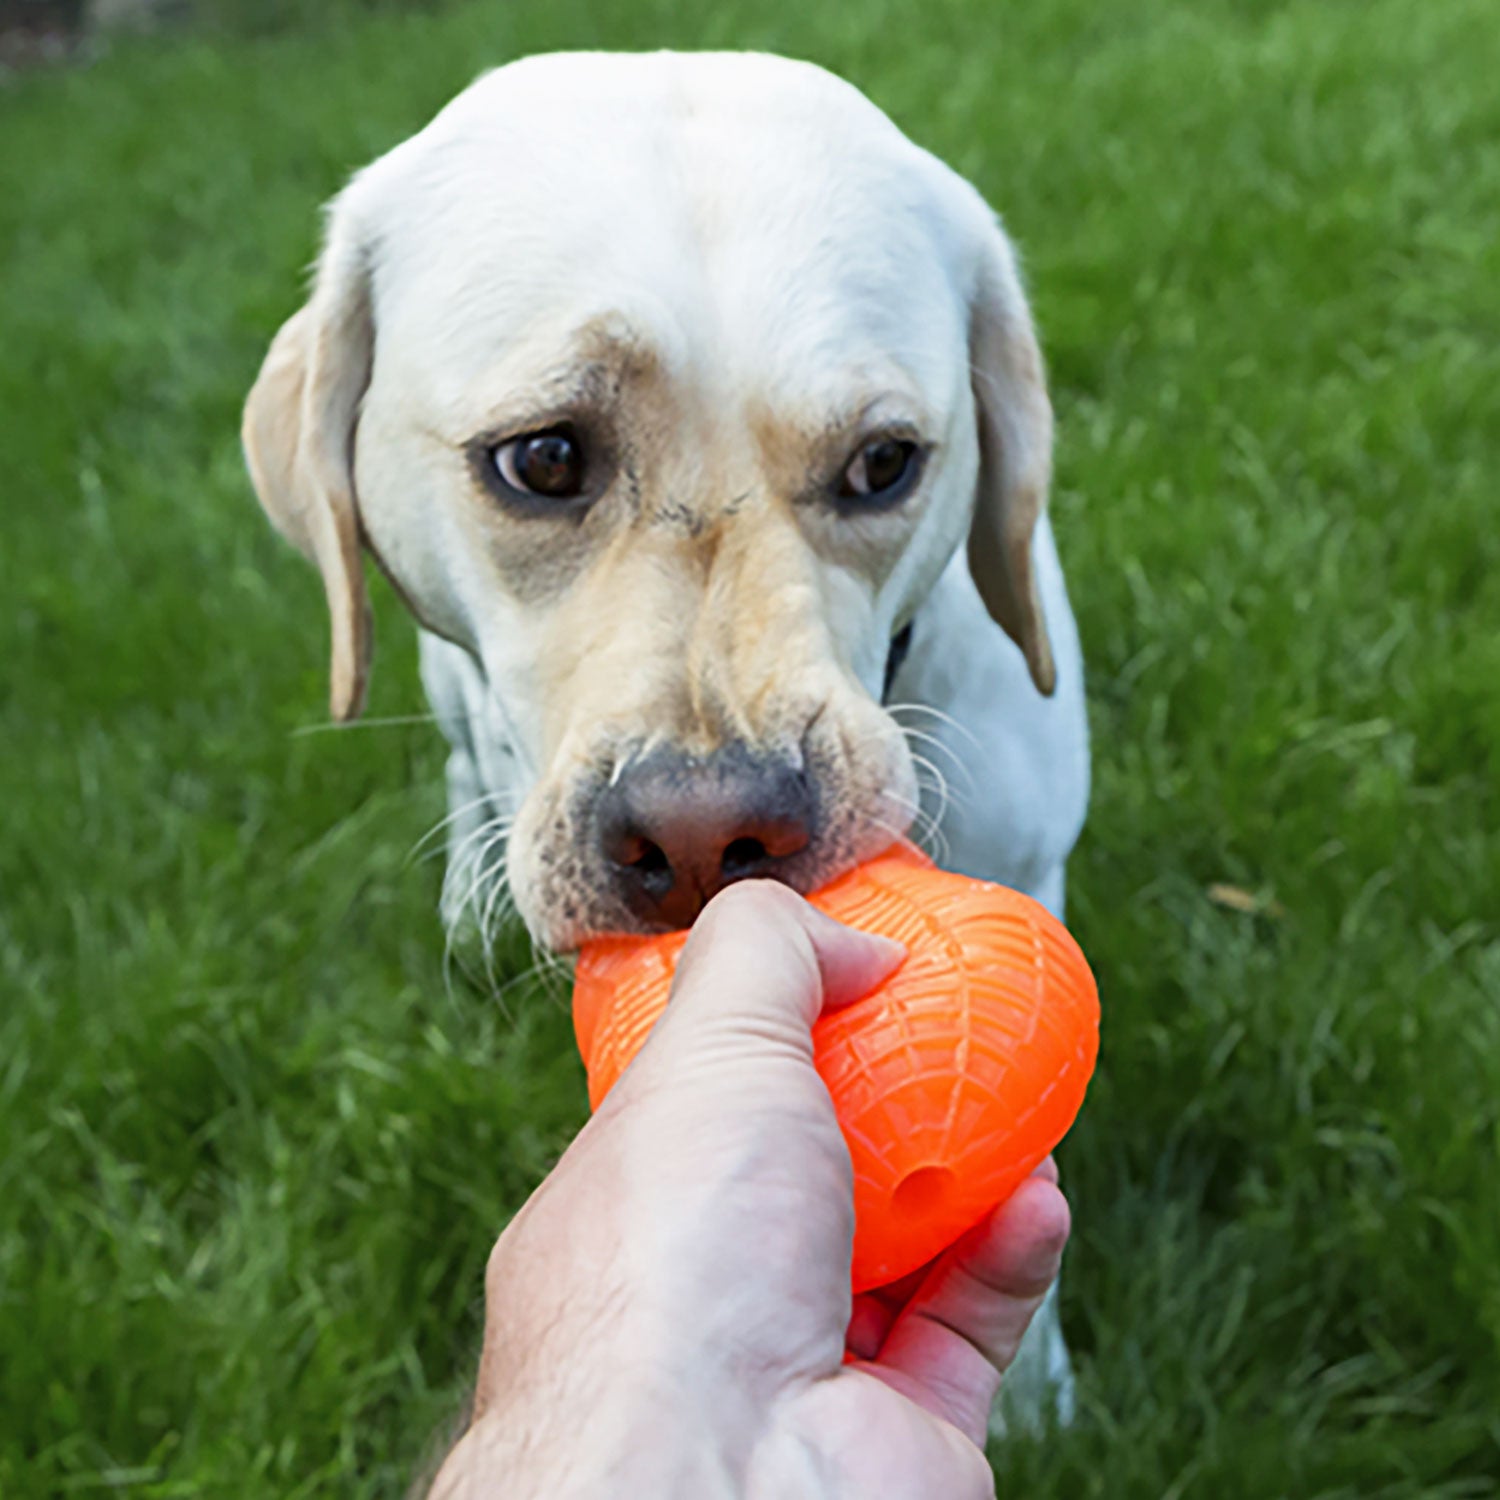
{"x":670,"y":1313}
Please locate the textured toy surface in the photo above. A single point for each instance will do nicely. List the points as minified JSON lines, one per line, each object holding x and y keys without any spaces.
{"x":952,"y":1079}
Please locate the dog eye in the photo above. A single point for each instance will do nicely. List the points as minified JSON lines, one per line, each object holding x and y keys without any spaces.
{"x":880,"y":470}
{"x":549,"y":464}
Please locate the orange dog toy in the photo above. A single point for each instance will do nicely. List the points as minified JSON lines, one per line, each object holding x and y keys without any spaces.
{"x":952,"y":1079}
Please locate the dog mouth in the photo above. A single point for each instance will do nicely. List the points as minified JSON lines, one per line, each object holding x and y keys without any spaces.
{"x":643,"y":848}
{"x":636,"y":834}
{"x":673,"y":829}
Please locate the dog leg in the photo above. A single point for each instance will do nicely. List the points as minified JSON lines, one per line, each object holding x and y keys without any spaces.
{"x":1008,"y":807}
{"x":1039,"y":1385}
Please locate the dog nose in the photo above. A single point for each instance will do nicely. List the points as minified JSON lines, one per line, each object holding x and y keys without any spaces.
{"x":675,"y":829}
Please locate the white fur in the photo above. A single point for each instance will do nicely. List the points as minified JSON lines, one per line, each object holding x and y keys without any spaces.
{"x":779,"y":247}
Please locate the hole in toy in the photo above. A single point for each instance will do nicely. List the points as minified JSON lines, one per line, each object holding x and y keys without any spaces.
{"x":921,"y":1190}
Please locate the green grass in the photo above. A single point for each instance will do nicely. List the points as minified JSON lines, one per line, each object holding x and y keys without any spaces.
{"x":254,"y":1148}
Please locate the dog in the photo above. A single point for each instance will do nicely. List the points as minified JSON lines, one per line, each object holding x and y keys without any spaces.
{"x":698,"y":417}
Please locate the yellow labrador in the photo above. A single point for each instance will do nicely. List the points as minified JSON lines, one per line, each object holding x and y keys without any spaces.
{"x":698,"y":417}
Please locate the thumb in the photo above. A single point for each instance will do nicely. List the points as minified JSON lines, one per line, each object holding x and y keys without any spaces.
{"x":762,"y":960}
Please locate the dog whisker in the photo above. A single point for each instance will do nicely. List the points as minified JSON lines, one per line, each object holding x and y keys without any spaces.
{"x":555,"y":965}
{"x":485,"y":918}
{"x":938,"y":714}
{"x":392,"y":721}
{"x":929,"y":838}
{"x":926,"y":827}
{"x":937,"y":784}
{"x":442,"y":823}
{"x":498,"y":903}
{"x":453,"y":959}
{"x":485,"y":832}
{"x":914,"y":736}
{"x":929,"y":822}
{"x":473,"y":866}
{"x":467,"y":858}
{"x":544,"y":967}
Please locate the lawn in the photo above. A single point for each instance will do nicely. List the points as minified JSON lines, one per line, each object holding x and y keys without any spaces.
{"x":256,"y":1137}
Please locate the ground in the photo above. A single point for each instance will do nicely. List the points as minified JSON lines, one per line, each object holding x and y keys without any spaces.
{"x":257,"y":1139}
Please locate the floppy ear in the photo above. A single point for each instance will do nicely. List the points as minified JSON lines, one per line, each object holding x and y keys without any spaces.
{"x":1015,"y":454}
{"x":298,"y":434}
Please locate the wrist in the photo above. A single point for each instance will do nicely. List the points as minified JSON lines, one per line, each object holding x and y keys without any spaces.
{"x":635,"y":1439}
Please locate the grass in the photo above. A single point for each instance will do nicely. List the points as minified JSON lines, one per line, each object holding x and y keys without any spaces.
{"x":253,"y":1148}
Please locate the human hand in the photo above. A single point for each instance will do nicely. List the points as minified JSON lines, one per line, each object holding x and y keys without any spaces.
{"x":670,"y":1312}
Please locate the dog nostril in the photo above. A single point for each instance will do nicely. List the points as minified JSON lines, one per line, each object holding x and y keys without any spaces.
{"x":674,"y":830}
{"x":742,"y":857}
{"x":649,"y":862}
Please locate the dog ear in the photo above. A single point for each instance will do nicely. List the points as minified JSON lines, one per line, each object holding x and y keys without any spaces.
{"x":1015,"y":453}
{"x":298,"y":434}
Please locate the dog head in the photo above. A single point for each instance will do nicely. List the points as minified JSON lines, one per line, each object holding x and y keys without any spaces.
{"x":665,"y":387}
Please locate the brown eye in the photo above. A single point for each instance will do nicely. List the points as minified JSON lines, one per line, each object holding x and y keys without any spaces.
{"x":881,"y":470}
{"x":548,"y":464}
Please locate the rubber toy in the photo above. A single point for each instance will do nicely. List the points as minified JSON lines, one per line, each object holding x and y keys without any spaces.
{"x":952,"y":1080}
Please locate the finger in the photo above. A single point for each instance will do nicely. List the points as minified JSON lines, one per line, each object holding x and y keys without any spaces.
{"x":761,"y":956}
{"x":850,"y":962}
{"x":960,"y":1331}
{"x":894,"y":1295}
{"x":868,"y":1325}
